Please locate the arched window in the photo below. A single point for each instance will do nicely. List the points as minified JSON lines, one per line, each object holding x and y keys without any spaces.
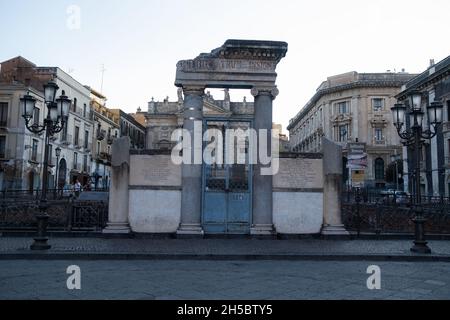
{"x":379,"y":169}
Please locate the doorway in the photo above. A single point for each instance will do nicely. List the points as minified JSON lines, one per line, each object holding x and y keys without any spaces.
{"x":227,"y":185}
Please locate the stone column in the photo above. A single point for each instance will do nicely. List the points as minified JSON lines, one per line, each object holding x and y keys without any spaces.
{"x":262,"y":184}
{"x":118,"y":194}
{"x":191,"y":194}
{"x":332,"y":169}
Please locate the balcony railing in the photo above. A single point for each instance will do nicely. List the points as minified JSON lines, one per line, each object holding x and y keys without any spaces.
{"x":36,"y":158}
{"x":446,"y":127}
{"x":101,"y":135}
{"x":88,"y":147}
{"x":77,"y":167}
{"x":66,"y":139}
{"x":52,"y":162}
{"x":6,"y":154}
{"x":78,"y":143}
{"x":105,"y":156}
{"x":379,"y":142}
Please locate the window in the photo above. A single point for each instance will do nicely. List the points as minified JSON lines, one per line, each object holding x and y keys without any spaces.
{"x":343,"y":133}
{"x":34,"y":150}
{"x":98,"y":147}
{"x":74,"y":104}
{"x":64,"y":132}
{"x":342,"y":107}
{"x":86,"y":139}
{"x":84,"y":110}
{"x":378,"y":134}
{"x":75,"y":160}
{"x":109,"y":149}
{"x":3,"y":114}
{"x":75,"y":138}
{"x":378,"y":104}
{"x":2,"y":147}
{"x":379,"y":169}
{"x":85,"y":163}
{"x":36,"y":116}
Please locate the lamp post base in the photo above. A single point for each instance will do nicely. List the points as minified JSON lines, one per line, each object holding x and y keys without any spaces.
{"x":40,"y":244}
{"x":420,"y":247}
{"x":40,"y":241}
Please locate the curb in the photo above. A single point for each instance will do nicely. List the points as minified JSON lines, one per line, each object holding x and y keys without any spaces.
{"x":223,"y":257}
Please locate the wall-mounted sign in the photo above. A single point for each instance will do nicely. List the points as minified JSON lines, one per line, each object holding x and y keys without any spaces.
{"x":357,"y":156}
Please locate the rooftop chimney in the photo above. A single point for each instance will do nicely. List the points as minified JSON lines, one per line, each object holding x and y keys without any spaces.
{"x":431,"y":62}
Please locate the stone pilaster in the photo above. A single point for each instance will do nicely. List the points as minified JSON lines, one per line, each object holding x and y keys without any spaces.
{"x":262,"y":184}
{"x":191,"y":194}
{"x":118,"y":222}
{"x":332,"y":168}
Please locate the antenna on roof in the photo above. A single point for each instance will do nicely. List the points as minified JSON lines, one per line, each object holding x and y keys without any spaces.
{"x":103,"y":73}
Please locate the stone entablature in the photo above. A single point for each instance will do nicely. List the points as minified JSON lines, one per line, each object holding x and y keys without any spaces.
{"x":240,"y":64}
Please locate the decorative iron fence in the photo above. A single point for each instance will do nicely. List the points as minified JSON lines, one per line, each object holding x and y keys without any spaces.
{"x":18,"y":212}
{"x":390,"y":214}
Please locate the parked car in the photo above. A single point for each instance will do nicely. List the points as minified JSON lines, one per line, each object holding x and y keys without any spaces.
{"x":390,"y":195}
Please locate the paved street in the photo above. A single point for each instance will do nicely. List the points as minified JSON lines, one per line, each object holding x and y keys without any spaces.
{"x":22,"y":279}
{"x":225,"y":247}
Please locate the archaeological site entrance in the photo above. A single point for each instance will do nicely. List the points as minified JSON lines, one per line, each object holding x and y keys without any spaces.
{"x":196,"y":189}
{"x":220,"y":199}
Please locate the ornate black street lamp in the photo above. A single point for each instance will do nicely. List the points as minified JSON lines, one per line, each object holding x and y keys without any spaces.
{"x":414,"y":137}
{"x":58,"y":154}
{"x":54,"y":122}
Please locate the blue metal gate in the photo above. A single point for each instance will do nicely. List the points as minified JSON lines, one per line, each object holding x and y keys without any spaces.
{"x":227,"y":188}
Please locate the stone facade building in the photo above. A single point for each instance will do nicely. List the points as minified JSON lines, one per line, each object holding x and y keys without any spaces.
{"x":162,"y":118}
{"x":434,"y":83}
{"x":107,"y":128}
{"x":24,"y":150}
{"x":130,"y":127}
{"x":353,"y":108}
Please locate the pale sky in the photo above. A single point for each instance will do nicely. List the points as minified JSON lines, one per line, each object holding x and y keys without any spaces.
{"x":140,"y":41}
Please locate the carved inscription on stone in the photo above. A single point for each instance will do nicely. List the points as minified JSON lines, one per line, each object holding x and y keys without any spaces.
{"x":224,"y":65}
{"x":299,"y":174}
{"x":154,"y":170}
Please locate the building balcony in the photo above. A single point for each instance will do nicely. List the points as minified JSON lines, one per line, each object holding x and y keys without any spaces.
{"x":88,"y":147}
{"x":446,"y":127}
{"x":86,"y":169}
{"x":6,"y":155}
{"x":78,"y":144}
{"x":52,"y":162}
{"x":379,"y":142}
{"x":110,"y":140}
{"x":66,"y":139}
{"x":104,"y":156}
{"x":101,"y":135}
{"x":35,"y":158}
{"x":76,"y":167}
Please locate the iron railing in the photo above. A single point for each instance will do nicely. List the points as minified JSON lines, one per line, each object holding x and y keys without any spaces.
{"x":377,"y":213}
{"x":18,"y":210}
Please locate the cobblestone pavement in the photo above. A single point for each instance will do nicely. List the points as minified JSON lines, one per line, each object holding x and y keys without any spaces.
{"x":219,"y":280}
{"x":223,"y":246}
